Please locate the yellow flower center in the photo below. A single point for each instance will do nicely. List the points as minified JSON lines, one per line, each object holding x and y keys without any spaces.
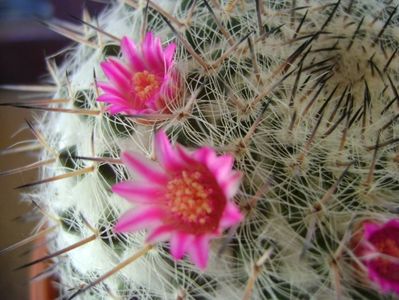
{"x":188,"y":198}
{"x":145,"y":84}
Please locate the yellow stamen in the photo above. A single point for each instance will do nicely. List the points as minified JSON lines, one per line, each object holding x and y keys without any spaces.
{"x":145,"y":84}
{"x":188,"y":198}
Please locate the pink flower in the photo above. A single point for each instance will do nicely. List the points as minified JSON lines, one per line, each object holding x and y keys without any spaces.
{"x":378,"y":249}
{"x":144,"y":82}
{"x":186,"y":198}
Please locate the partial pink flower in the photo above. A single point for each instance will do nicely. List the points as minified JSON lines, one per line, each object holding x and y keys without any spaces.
{"x":145,"y":81}
{"x":378,"y":249}
{"x":186,"y":198}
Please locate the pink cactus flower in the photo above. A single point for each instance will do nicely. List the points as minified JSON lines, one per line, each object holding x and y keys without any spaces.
{"x":145,"y":81}
{"x":186,"y":198}
{"x":379,"y":251}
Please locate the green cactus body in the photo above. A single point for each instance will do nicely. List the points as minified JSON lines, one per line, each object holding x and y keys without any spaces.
{"x":302,"y":93}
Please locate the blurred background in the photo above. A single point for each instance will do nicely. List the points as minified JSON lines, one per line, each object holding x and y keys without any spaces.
{"x":24,"y":43}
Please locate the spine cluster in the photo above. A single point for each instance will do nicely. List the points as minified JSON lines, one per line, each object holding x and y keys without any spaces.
{"x":302,"y":94}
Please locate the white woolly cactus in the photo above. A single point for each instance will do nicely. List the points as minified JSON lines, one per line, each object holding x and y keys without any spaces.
{"x":302,"y":94}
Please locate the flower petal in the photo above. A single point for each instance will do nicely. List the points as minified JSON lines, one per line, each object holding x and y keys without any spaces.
{"x":205,"y":155}
{"x":384,"y":274}
{"x":116,"y":108}
{"x":231,"y":216}
{"x":120,"y":67}
{"x":184,"y":156}
{"x":199,"y":251}
{"x":153,"y":54}
{"x":179,"y":244}
{"x":115,"y":76}
{"x":137,"y":192}
{"x":110,"y":98}
{"x":221,"y":166}
{"x":168,"y":55}
{"x":130,"y":52}
{"x":139,"y":218}
{"x":166,"y":155}
{"x":160,"y":233}
{"x":370,"y":228}
{"x":394,"y":223}
{"x":149,"y":50}
{"x":109,"y":89}
{"x":231,"y":184}
{"x":144,"y":168}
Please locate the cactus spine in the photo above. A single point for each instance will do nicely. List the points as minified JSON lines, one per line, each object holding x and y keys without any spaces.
{"x":303,"y":93}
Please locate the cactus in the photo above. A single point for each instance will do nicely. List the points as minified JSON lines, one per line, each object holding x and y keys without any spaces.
{"x":303,"y":94}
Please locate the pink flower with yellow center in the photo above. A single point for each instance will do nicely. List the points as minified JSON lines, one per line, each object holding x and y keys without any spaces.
{"x":185,"y":198}
{"x":378,"y":249}
{"x":145,"y":81}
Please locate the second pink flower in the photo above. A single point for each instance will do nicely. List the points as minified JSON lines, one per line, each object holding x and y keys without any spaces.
{"x":145,"y":81}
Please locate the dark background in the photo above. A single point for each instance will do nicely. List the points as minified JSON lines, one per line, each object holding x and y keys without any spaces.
{"x":24,"y":43}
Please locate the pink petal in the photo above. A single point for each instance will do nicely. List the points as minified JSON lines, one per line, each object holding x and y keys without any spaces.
{"x":137,"y":192}
{"x":386,"y":284}
{"x":205,"y":155}
{"x":144,"y":167}
{"x":394,"y":223}
{"x":153,"y":54}
{"x":370,"y":228}
{"x":148,"y":45}
{"x":179,"y":244}
{"x":116,"y":108}
{"x":221,"y":166}
{"x":167,"y":92}
{"x":230,"y":185}
{"x":169,"y":53}
{"x":139,"y":218}
{"x":109,"y":98}
{"x":130,"y":52}
{"x":115,"y":76}
{"x":120,"y":67}
{"x":109,"y":89}
{"x":161,"y":233}
{"x":148,"y":40}
{"x":231,"y":215}
{"x":184,"y":156}
{"x":199,"y":251}
{"x":150,"y":102}
{"x":166,"y":155}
